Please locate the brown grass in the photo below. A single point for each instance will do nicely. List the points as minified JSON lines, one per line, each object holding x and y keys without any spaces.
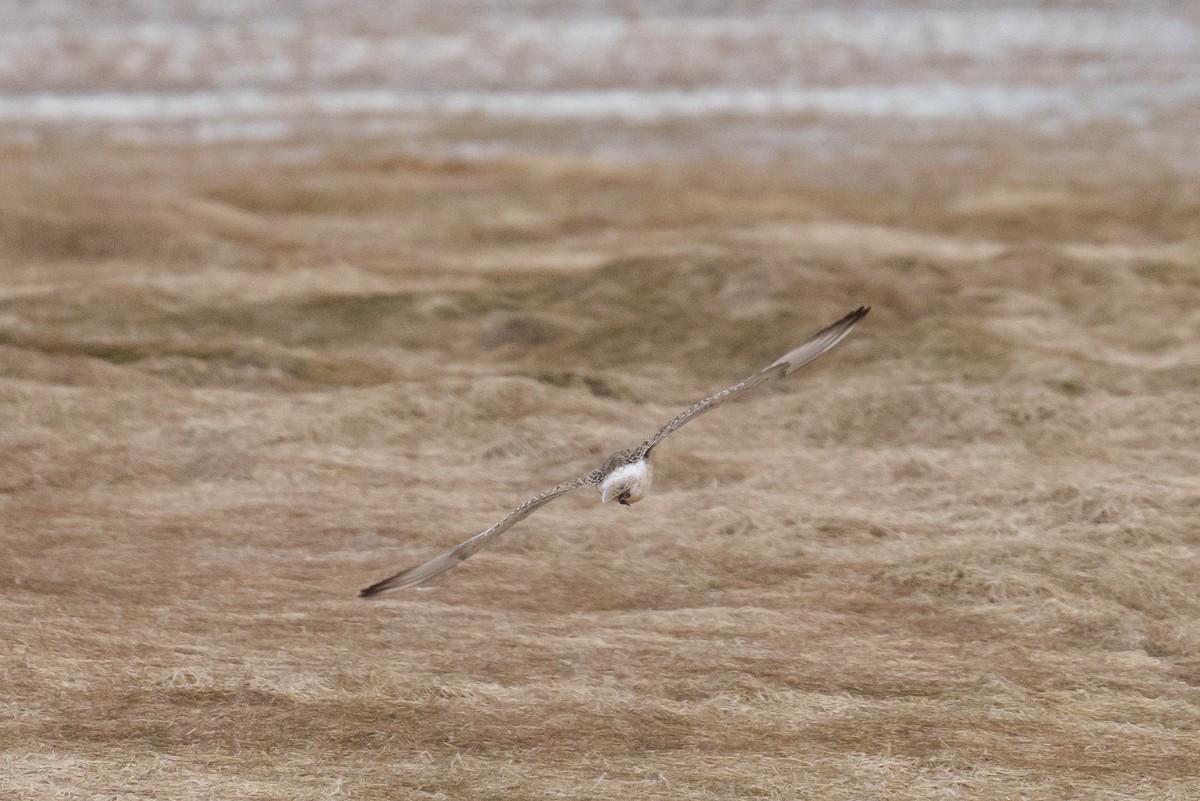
{"x":957,"y":559}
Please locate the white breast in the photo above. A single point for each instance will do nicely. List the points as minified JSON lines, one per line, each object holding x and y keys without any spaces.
{"x":632,"y":478}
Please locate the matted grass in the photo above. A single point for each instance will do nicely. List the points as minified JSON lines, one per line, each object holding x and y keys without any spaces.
{"x":956,"y":558}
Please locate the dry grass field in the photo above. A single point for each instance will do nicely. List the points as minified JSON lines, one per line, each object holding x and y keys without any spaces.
{"x":959,"y":557}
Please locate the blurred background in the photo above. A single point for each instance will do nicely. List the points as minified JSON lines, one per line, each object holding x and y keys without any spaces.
{"x":850,"y":89}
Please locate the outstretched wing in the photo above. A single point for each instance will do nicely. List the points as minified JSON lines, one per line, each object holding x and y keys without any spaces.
{"x":820,"y":342}
{"x":452,"y":556}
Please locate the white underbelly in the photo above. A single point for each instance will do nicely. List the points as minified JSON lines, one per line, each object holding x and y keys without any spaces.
{"x":632,"y":478}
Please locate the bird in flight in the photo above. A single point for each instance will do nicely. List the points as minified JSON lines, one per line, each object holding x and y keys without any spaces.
{"x":626,"y":475}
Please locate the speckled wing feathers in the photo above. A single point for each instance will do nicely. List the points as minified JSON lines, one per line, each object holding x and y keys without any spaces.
{"x":618,"y":459}
{"x":452,"y":556}
{"x":819,"y":343}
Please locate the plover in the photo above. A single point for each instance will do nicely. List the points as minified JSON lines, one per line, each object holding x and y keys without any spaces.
{"x":626,"y":475}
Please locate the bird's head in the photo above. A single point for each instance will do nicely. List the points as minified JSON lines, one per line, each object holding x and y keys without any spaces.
{"x":620,"y":491}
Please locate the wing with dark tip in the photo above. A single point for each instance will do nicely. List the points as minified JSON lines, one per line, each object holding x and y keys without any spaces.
{"x":452,"y":556}
{"x":788,"y":363}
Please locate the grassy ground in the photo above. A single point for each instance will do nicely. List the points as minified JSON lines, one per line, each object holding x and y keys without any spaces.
{"x":957,"y":558}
